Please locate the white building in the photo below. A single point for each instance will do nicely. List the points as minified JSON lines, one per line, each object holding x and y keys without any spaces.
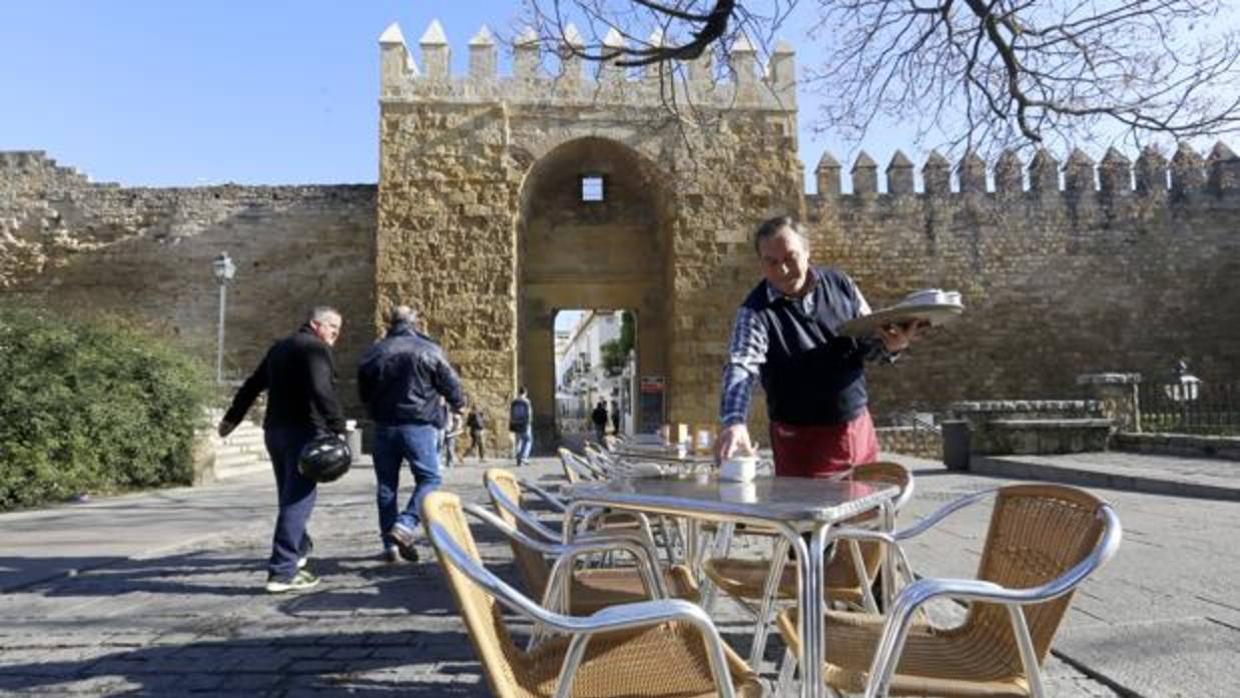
{"x":582,"y":376}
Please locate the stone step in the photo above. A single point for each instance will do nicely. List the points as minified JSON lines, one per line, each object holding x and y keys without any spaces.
{"x":253,"y":468}
{"x":245,"y":435}
{"x":224,"y":461}
{"x":243,"y":448}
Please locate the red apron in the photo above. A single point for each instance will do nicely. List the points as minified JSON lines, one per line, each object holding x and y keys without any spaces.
{"x":823,"y":450}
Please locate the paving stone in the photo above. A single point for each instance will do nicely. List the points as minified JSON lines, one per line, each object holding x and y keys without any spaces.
{"x":193,"y":621}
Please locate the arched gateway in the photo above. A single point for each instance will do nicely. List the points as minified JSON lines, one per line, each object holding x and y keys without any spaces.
{"x":485,"y":228}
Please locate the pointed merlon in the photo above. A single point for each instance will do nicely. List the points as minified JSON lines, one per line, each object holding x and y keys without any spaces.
{"x":657,"y":38}
{"x":864,"y":162}
{"x":434,"y":35}
{"x":392,"y":35}
{"x":1221,"y":152}
{"x":1043,"y":158}
{"x":1078,"y":158}
{"x":899,"y":160}
{"x":572,"y":37}
{"x":613,"y":39}
{"x":971,"y":160}
{"x":482,"y":38}
{"x":827,"y":162}
{"x":1185,"y":154}
{"x":743,"y":45}
{"x":783,"y":48}
{"x":527,"y":37}
{"x":936,"y":161}
{"x":1114,"y":158}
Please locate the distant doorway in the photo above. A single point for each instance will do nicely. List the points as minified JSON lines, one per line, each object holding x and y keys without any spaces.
{"x":592,"y":235}
{"x":595,"y":367}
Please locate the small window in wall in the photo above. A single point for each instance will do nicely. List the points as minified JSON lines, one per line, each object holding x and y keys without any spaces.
{"x":593,"y":188}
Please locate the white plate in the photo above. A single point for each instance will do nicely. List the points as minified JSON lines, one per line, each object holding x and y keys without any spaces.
{"x":935,"y":314}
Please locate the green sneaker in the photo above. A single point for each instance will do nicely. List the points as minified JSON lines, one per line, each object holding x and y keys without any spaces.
{"x":304,"y":580}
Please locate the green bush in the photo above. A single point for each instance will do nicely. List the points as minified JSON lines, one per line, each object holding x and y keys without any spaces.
{"x":92,"y":407}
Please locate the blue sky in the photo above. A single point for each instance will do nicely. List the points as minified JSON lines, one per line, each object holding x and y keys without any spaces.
{"x":188,"y":92}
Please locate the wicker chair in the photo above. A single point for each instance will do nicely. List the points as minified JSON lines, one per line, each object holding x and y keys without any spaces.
{"x":653,"y":648}
{"x":577,"y":468}
{"x":590,"y":589}
{"x":1043,"y":541}
{"x":849,"y":576}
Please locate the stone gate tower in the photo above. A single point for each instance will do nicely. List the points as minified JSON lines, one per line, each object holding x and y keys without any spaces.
{"x":483,"y":228}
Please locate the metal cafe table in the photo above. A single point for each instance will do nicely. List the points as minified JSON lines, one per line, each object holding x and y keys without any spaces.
{"x":791,"y":506}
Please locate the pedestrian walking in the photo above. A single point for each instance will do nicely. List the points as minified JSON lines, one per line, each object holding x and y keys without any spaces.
{"x":615,"y":418}
{"x":520,"y":418}
{"x":299,"y":375}
{"x":599,"y":419}
{"x":402,"y":379}
{"x":477,"y":425}
{"x":455,"y":425}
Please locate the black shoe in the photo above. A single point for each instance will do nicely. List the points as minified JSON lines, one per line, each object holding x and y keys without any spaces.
{"x":407,"y":551}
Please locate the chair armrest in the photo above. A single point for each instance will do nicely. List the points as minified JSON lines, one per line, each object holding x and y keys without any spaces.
{"x":551,"y":500}
{"x":942,"y":513}
{"x":566,"y":554}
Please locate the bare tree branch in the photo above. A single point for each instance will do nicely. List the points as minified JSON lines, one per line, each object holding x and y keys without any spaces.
{"x":985,"y":74}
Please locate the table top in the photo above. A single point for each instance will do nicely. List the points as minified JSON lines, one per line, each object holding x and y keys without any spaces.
{"x":766,"y":498}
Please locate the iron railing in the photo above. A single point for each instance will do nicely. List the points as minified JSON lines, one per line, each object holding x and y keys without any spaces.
{"x":1214,"y":411}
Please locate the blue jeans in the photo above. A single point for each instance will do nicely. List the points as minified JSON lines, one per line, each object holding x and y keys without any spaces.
{"x":525,"y":441}
{"x":296,"y":495}
{"x":418,"y":444}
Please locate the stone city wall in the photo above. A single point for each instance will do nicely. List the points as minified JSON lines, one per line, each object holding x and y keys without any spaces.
{"x":1090,"y":276}
{"x":78,"y":247}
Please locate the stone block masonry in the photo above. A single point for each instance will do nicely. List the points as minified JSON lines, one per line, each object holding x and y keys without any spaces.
{"x":74,"y":246}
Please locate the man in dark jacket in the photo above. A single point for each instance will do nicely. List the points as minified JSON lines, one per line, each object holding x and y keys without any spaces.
{"x":299,"y":376}
{"x":401,"y":379}
{"x":599,"y":419}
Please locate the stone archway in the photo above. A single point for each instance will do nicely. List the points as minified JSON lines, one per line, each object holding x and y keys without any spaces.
{"x":609,"y":254}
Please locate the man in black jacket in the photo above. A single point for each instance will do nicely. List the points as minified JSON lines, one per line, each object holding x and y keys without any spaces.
{"x":401,"y":379}
{"x":299,"y":375}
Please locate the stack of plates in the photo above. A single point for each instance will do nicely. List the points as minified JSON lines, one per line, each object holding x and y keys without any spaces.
{"x":931,"y":305}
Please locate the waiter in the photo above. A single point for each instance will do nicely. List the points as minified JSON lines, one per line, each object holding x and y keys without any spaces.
{"x":785,"y":334}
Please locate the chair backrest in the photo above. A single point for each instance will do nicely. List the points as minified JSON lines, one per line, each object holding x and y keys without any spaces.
{"x":566,"y":462}
{"x":841,"y":573}
{"x":597,"y":457}
{"x":1037,"y":533}
{"x":530,"y":563}
{"x":502,"y":661}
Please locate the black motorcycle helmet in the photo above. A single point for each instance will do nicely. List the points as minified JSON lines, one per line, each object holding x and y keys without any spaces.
{"x":325,"y":459}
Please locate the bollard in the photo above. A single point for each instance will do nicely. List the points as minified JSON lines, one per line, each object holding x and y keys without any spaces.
{"x":956,"y":444}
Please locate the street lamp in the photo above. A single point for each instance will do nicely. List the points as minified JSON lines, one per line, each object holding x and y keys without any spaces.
{"x":224,"y":271}
{"x":1183,"y":389}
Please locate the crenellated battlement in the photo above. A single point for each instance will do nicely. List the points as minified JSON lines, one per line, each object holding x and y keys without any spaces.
{"x":750,"y":85}
{"x":1115,"y":176}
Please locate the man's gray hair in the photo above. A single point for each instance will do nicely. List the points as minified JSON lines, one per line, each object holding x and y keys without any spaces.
{"x":777,"y":225}
{"x":402,"y":313}
{"x":320,"y":313}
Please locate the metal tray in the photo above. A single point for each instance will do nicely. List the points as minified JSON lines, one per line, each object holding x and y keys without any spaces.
{"x":935,"y":314}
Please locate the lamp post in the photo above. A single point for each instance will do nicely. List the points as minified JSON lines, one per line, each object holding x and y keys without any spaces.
{"x":224,"y":271}
{"x":1183,"y":389}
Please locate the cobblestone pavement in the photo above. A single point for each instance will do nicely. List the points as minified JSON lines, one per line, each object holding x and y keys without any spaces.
{"x":195,"y":620}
